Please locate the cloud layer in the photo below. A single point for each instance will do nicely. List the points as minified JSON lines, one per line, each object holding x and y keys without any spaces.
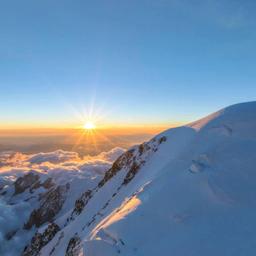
{"x":61,"y":166}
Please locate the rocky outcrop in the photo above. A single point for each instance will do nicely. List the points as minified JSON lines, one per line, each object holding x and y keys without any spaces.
{"x":124,"y":160}
{"x":74,"y":247}
{"x":31,"y":181}
{"x":139,"y":159}
{"x":162,"y":139}
{"x":132,"y":172}
{"x":27,"y":181}
{"x":82,"y":201}
{"x":39,"y":240}
{"x":51,"y":204}
{"x":132,"y":160}
{"x":47,"y":184}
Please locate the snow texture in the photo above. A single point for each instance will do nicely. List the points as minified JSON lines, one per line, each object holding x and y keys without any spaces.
{"x":188,"y":191}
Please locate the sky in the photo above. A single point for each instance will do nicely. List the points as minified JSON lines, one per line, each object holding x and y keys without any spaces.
{"x":118,"y":62}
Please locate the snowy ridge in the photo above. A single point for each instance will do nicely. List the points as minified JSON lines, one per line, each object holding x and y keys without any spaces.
{"x":195,"y":189}
{"x":188,"y":191}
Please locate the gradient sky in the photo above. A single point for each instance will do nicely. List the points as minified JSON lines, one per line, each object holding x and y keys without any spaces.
{"x":133,"y":62}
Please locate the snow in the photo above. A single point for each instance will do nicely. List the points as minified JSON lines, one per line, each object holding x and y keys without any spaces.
{"x":193,"y":194}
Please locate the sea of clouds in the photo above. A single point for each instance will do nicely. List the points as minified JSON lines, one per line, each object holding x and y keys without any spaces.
{"x":61,"y":166}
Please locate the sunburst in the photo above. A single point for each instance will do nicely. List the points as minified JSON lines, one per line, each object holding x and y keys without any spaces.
{"x":89,"y":125}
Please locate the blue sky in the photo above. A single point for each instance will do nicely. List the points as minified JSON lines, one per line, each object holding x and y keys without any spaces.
{"x":137,"y":62}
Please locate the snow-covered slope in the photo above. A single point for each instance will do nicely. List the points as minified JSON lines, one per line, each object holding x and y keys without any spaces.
{"x":189,"y":191}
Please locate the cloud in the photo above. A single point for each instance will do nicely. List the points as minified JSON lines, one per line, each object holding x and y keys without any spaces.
{"x":11,"y":217}
{"x":110,"y":156}
{"x":61,"y":166}
{"x":57,"y":156}
{"x":14,"y":163}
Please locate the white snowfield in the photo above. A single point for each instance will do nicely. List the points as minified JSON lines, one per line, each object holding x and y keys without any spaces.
{"x":196,"y":195}
{"x":190,"y":191}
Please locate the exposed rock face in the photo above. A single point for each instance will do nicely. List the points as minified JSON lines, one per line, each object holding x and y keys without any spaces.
{"x":27,"y":181}
{"x":132,"y":172}
{"x":48,"y":183}
{"x":31,"y":181}
{"x":82,"y":201}
{"x":124,"y":160}
{"x":39,"y":240}
{"x":140,"y":157}
{"x":162,"y":139}
{"x":51,"y":203}
{"x":132,"y":160}
{"x":73,"y":248}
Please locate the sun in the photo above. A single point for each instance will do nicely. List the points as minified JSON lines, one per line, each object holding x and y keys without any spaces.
{"x":89,"y":126}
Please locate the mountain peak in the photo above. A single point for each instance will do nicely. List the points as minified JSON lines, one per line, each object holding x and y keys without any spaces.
{"x":232,"y":115}
{"x":188,"y":191}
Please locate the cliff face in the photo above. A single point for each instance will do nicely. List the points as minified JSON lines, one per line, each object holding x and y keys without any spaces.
{"x":30,"y":180}
{"x":40,"y":239}
{"x":50,"y":204}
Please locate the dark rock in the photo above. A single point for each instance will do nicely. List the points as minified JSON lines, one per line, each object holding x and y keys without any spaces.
{"x":35,"y":186}
{"x":143,"y":148}
{"x":82,"y":202}
{"x":162,"y":139}
{"x":124,"y":160}
{"x":51,"y":204}
{"x":24,"y":182}
{"x":131,"y":173}
{"x":48,"y":183}
{"x":39,"y":240}
{"x":74,"y":247}
{"x":132,"y":160}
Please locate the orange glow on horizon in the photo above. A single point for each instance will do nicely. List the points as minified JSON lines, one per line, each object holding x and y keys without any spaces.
{"x":62,"y":129}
